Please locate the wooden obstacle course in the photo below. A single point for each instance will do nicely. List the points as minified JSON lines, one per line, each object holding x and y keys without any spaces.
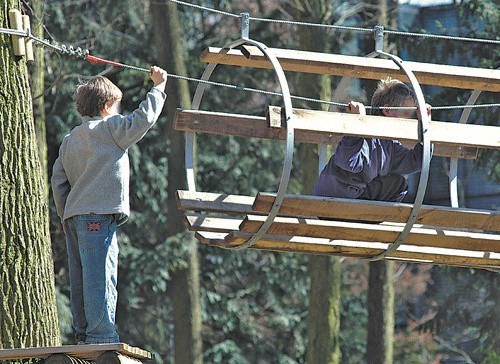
{"x":79,"y":353}
{"x":355,"y":228}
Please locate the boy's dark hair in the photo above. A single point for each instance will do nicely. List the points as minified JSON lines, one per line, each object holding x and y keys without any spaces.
{"x":390,"y":92}
{"x":92,"y":95}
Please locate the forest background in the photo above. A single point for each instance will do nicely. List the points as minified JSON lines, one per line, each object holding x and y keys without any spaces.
{"x":252,"y":306}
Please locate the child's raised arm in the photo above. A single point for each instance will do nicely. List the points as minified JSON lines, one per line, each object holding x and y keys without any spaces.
{"x":357,"y":108}
{"x":159,"y":77}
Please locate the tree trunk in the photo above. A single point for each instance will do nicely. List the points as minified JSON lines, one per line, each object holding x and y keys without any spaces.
{"x":37,"y":74}
{"x":28,"y":313}
{"x":185,"y":293}
{"x":381,"y":287}
{"x":323,"y":326}
{"x":380,"y":313}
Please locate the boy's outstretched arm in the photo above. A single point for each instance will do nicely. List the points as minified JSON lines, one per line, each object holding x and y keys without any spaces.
{"x":159,"y":77}
{"x":357,"y":108}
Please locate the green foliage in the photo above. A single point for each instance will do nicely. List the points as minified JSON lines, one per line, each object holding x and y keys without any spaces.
{"x":478,"y":19}
{"x":249,"y":297}
{"x":144,"y":316}
{"x":354,"y":314}
{"x":414,"y":348}
{"x":64,"y":313}
{"x":492,"y":356}
{"x":254,"y":304}
{"x":467,"y":308}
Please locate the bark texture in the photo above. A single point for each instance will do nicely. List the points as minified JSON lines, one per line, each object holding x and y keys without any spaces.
{"x":28,"y":313}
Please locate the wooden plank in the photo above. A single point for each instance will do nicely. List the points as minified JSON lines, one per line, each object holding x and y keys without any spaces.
{"x":238,"y":125}
{"x":360,"y":67}
{"x":255,"y":126}
{"x":210,"y":237}
{"x":447,"y":133}
{"x":214,"y":202}
{"x":356,"y":249}
{"x":385,"y":233}
{"x":336,"y":208}
{"x":327,"y":207}
{"x":199,"y":222}
{"x":88,"y":352}
{"x":419,"y":236}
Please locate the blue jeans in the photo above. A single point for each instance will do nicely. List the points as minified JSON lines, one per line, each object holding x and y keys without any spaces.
{"x":92,"y":249}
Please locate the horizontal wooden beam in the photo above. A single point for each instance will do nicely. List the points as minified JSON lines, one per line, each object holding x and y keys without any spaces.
{"x":200,"y":222}
{"x":258,"y":127}
{"x":385,"y":233}
{"x":214,"y":202}
{"x":359,"y":67}
{"x":357,"y":249}
{"x":342,"y":230}
{"x":337,"y":208}
{"x":440,"y":133}
{"x":239,"y":125}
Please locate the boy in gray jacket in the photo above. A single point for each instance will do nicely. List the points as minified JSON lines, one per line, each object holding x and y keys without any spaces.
{"x":90,"y":184}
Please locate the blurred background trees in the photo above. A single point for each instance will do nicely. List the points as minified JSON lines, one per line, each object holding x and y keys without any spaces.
{"x":254,"y":306}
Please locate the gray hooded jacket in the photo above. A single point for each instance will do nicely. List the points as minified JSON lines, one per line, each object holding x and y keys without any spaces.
{"x":91,"y":174}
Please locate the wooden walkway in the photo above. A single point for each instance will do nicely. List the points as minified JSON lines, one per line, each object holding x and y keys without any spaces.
{"x":356,"y":228}
{"x":86,"y":352}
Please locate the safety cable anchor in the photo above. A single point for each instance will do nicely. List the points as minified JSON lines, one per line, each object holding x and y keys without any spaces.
{"x":245,"y":25}
{"x":378,"y":34}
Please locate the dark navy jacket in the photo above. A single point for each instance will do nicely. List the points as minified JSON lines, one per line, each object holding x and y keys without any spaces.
{"x":357,"y":161}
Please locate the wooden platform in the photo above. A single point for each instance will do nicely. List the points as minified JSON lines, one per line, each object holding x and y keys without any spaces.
{"x":87,"y":352}
{"x":450,"y":139}
{"x":359,"y":67}
{"x":356,"y":228}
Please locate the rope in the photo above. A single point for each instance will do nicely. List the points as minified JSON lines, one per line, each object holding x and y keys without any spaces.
{"x":318,"y":25}
{"x":85,"y":55}
{"x":199,"y":7}
{"x":344,"y":28}
{"x":445,"y":37}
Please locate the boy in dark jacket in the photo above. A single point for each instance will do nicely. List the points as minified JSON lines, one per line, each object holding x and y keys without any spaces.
{"x":371,"y":168}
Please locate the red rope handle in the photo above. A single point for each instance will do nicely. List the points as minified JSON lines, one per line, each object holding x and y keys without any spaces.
{"x":94,"y":59}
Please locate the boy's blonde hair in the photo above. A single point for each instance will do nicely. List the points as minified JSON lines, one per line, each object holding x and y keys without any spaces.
{"x":92,"y":95}
{"x":390,"y":92}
